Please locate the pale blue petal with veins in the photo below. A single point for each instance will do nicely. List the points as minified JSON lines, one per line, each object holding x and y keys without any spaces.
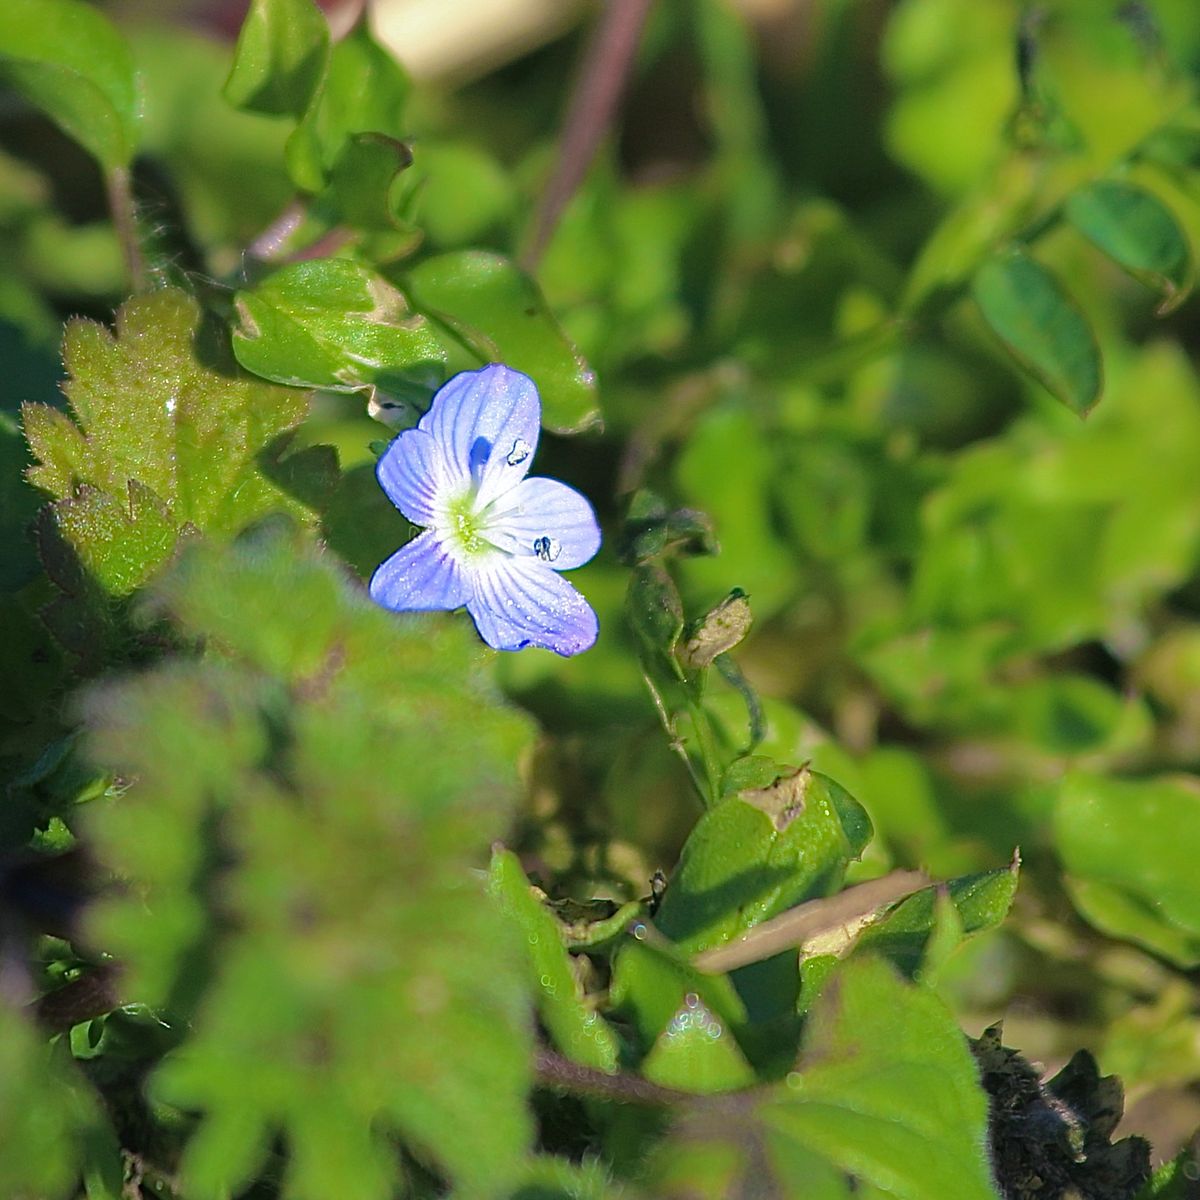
{"x":494,"y":540}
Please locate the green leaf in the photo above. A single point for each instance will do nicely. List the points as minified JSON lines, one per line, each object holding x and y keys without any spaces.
{"x":336,"y":325}
{"x":364,"y":91}
{"x":46,"y":1115}
{"x":311,"y":798}
{"x":576,"y":1029}
{"x":362,"y":184}
{"x":493,"y":308}
{"x":1138,"y":232}
{"x":696,"y":1053}
{"x":464,"y":193}
{"x":885,"y":1094}
{"x":758,"y":853}
{"x":725,"y":467}
{"x":906,"y":934}
{"x":558,"y":1179}
{"x":1129,"y":848}
{"x":652,"y":529}
{"x":281,"y":57}
{"x":165,"y":439}
{"x":1040,"y":326}
{"x":1173,"y":1180}
{"x":655,"y":612}
{"x":68,"y":59}
{"x":651,"y":983}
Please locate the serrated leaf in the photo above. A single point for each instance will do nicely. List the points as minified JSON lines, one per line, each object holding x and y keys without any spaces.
{"x":121,"y":541}
{"x":333,"y":324}
{"x":577,"y":1030}
{"x":1128,"y":846}
{"x":364,"y":91}
{"x":162,"y":441}
{"x":1040,"y":326}
{"x":69,"y":60}
{"x":45,"y":1116}
{"x":884,"y":1101}
{"x":281,"y":57}
{"x":312,"y":794}
{"x":758,"y":853}
{"x":488,"y":303}
{"x":1138,"y":232}
{"x":558,"y":1179}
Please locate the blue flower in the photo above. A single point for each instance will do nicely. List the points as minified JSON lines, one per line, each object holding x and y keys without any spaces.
{"x":494,"y":541}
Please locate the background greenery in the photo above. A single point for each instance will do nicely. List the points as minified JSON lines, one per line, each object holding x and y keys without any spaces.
{"x":878,"y":313}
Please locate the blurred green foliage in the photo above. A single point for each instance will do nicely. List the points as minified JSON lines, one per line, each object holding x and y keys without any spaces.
{"x":869,"y":333}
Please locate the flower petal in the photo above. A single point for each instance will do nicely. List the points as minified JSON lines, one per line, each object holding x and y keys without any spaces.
{"x":422,"y":575}
{"x":546,"y":519}
{"x":487,"y":424}
{"x":414,"y":473}
{"x":521,"y":602}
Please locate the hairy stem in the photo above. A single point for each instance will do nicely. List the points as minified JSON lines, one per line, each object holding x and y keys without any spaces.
{"x":123,"y":208}
{"x":593,"y":103}
{"x":561,"y":1074}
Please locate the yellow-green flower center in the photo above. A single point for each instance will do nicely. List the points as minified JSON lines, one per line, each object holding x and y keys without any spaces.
{"x":465,"y":525}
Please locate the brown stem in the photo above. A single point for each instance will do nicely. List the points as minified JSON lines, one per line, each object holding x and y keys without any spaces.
{"x":593,"y":103}
{"x":91,"y":995}
{"x":123,"y":207}
{"x":561,"y":1074}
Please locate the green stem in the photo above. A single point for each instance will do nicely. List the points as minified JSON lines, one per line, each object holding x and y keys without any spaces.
{"x":709,"y":754}
{"x":668,"y":723}
{"x":599,"y":932}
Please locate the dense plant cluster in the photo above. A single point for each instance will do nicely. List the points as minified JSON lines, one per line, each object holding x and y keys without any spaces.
{"x":856,"y":857}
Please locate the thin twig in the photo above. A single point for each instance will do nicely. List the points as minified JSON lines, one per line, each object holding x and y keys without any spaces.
{"x":123,"y":207}
{"x":848,"y":911}
{"x":561,"y":1074}
{"x":593,"y":103}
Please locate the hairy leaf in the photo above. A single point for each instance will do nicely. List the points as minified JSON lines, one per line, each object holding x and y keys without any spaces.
{"x":49,"y":1116}
{"x":164,"y":439}
{"x":309,"y":799}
